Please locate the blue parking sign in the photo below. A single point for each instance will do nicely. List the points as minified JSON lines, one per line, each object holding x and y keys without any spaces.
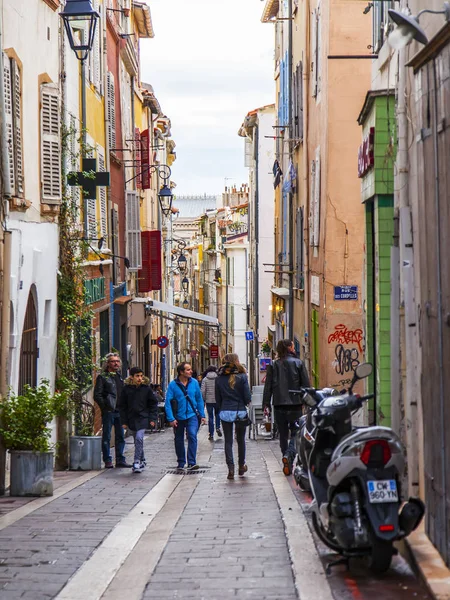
{"x":249,"y":336}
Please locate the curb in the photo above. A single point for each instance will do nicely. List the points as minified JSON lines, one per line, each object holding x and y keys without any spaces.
{"x":433,"y":570}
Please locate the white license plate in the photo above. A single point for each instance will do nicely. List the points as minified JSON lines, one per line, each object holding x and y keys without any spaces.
{"x":384,"y":490}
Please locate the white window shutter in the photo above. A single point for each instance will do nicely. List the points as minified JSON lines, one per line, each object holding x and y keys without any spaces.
{"x":102,"y":194}
{"x":91,"y":207}
{"x":133,"y":232}
{"x":97,"y":77}
{"x":248,"y":152}
{"x":111,"y":110}
{"x":50,"y":144}
{"x":317,"y":199}
{"x":9,"y":123}
{"x":17,"y":120}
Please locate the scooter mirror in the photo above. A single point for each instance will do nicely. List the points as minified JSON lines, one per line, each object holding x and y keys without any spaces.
{"x":363,"y":370}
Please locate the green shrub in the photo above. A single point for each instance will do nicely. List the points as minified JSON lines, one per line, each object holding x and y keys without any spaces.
{"x":26,"y":419}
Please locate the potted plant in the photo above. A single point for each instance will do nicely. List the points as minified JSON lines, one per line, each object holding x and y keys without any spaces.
{"x":84,"y":446}
{"x":26,"y":431}
{"x":265,"y":348}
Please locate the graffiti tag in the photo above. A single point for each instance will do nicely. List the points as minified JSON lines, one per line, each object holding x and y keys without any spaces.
{"x":342,"y":335}
{"x":346,"y":359}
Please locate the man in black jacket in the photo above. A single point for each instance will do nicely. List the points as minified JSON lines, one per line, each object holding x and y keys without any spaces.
{"x":138,"y":411}
{"x":286,"y":373}
{"x":108,"y":388}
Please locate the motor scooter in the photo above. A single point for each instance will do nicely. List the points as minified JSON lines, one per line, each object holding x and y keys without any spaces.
{"x":355,"y":479}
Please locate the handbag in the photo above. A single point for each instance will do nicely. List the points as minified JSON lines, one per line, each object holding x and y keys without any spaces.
{"x":246,"y":421}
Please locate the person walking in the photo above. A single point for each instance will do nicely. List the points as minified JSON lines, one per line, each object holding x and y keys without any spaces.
{"x":208,"y":389}
{"x":286,"y":373}
{"x":107,"y":390}
{"x":185,"y":410}
{"x":232,"y":398}
{"x":138,"y":410}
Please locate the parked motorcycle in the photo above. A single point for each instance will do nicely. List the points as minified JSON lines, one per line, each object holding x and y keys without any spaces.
{"x":354,"y":476}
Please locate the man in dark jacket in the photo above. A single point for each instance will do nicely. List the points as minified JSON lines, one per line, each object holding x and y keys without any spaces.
{"x":286,"y":373}
{"x":108,"y":388}
{"x":138,"y":409}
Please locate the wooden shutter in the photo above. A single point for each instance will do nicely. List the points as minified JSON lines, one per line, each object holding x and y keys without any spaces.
{"x":9,"y":124}
{"x":299,"y":101}
{"x":111,"y":110}
{"x":150,"y":276}
{"x":133,"y":232}
{"x":314,"y":34}
{"x":50,"y":144}
{"x":138,"y":158}
{"x":299,"y":249}
{"x":17,"y":121}
{"x":102,"y":194}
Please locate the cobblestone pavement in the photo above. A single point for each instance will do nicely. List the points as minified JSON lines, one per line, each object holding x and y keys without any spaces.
{"x":211,"y":538}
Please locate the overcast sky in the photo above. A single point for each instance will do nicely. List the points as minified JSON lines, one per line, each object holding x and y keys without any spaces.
{"x":210,"y":63}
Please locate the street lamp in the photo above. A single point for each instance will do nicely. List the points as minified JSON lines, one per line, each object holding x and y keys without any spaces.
{"x":185,"y":284}
{"x":185,"y":303}
{"x":182,"y":262}
{"x":408,"y":27}
{"x":80,"y":22}
{"x":165,"y":197}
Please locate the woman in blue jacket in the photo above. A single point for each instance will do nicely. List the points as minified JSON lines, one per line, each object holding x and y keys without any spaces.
{"x":232,"y":398}
{"x":185,"y":410}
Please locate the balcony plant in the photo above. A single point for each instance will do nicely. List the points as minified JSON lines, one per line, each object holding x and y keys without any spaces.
{"x":26,"y":430}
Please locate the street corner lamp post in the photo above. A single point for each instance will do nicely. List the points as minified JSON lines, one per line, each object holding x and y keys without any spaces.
{"x":80,"y":22}
{"x":408,"y":27}
{"x":185,"y":284}
{"x":185,"y":303}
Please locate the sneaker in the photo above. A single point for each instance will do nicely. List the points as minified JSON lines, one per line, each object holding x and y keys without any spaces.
{"x":108,"y":464}
{"x":123,"y":465}
{"x":243,"y":470}
{"x":287,"y":464}
{"x":143,"y":464}
{"x":211,"y":438}
{"x":219,"y":433}
{"x":137,"y":468}
{"x":193,"y":468}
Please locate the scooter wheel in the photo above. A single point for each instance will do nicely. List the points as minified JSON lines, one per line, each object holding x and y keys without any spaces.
{"x":323,"y":535}
{"x":380,"y":556}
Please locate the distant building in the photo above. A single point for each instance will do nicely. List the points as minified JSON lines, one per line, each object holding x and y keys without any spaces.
{"x":191,"y":208}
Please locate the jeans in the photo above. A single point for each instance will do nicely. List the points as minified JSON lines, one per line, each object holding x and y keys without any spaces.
{"x":191,"y":425}
{"x":139,"y":445}
{"x":212,"y":409}
{"x":286,"y":421}
{"x":240,"y":436}
{"x":110,"y":419}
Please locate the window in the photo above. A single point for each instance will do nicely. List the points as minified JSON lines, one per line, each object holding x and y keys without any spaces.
{"x":111,"y":110}
{"x":297,"y":101}
{"x":133,"y":232}
{"x":314,"y":217}
{"x":50,"y":145}
{"x":95,"y":56}
{"x":380,"y":23}
{"x":102,"y":195}
{"x":12,"y":83}
{"x":315,"y":51}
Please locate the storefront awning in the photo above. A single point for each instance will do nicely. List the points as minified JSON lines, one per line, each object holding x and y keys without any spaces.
{"x":280,"y":291}
{"x":155,"y":305}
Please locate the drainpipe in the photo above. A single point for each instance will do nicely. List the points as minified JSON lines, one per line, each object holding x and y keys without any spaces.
{"x":407,"y":344}
{"x":291,"y":196}
{"x":256,"y":278}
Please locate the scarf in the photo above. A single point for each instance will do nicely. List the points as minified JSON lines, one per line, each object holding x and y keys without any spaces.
{"x":228,"y":369}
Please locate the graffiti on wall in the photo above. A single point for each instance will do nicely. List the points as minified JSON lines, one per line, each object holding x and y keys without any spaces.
{"x":348,"y":348}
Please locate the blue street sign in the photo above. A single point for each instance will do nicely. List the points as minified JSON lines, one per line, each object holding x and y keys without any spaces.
{"x":249,"y":336}
{"x":346,"y":292}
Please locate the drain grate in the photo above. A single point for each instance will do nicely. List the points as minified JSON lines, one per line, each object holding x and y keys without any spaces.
{"x":183,"y":472}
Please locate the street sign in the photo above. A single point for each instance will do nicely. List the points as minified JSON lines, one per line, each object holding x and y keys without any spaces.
{"x":162,"y":341}
{"x":214,"y":351}
{"x":346,"y":292}
{"x":249,"y":336}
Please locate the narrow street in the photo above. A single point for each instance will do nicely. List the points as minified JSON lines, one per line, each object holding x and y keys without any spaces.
{"x":113,"y":534}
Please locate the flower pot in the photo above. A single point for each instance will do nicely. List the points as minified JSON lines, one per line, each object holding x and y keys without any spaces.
{"x":85,"y":453}
{"x":31,"y":473}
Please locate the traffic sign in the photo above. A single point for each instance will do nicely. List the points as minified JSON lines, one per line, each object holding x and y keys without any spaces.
{"x":162,"y":341}
{"x":249,"y":336}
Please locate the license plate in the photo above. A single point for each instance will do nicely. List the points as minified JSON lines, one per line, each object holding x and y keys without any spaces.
{"x":383,"y":490}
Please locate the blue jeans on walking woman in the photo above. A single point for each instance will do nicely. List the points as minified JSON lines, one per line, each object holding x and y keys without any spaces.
{"x":110,"y":419}
{"x":191,"y":425}
{"x":212,"y":408}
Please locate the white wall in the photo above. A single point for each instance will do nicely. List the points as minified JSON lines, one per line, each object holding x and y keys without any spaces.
{"x":237,"y":297}
{"x":31,"y":29}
